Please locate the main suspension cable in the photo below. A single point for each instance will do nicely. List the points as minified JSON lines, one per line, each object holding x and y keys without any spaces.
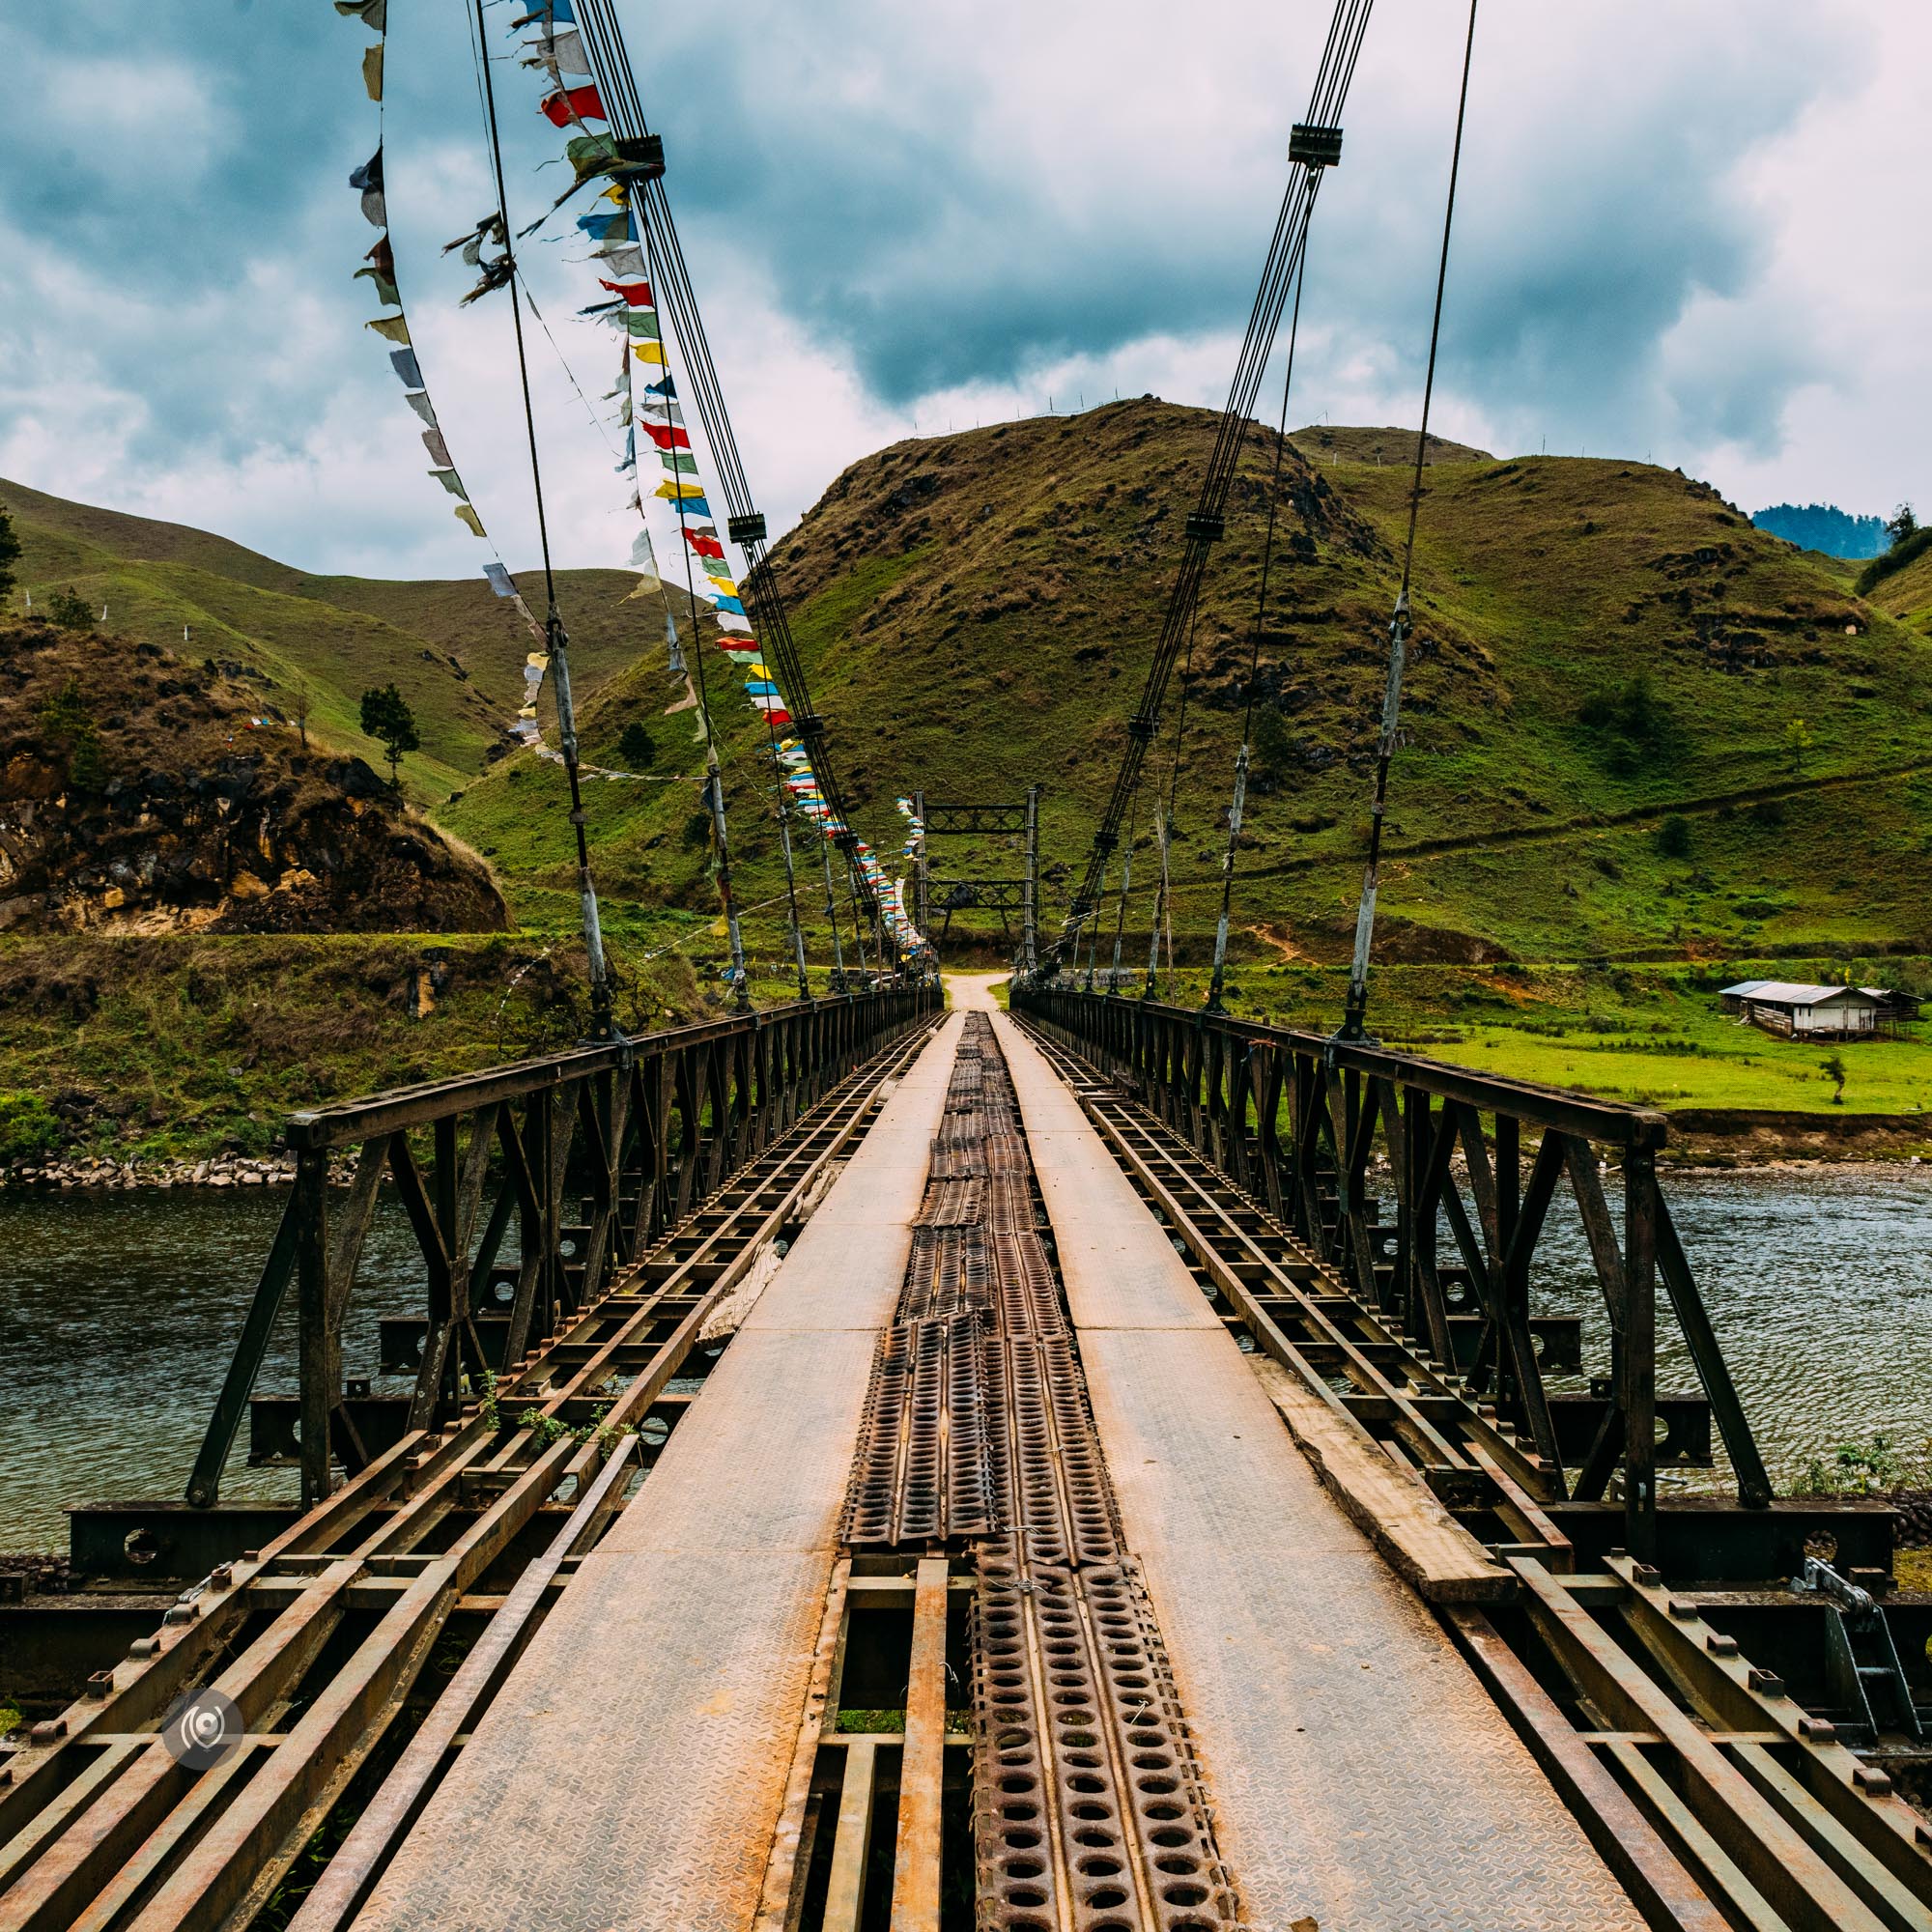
{"x":555,"y":639}
{"x":1352,"y":1028}
{"x":1316,"y":145}
{"x":1242,"y":757}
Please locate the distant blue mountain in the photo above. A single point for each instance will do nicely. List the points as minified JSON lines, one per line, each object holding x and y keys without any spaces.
{"x":1823,"y":526}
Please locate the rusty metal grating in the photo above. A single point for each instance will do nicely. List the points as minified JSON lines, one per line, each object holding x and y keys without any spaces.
{"x":954,"y":1203}
{"x":949,"y":1273}
{"x":1087,"y":1807}
{"x":923,"y":1474}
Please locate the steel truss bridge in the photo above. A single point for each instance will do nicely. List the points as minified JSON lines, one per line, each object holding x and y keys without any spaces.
{"x":1102,"y":1465}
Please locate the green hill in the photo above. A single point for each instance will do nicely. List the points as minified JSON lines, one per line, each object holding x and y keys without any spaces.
{"x":454,"y":649}
{"x":1600,"y":757}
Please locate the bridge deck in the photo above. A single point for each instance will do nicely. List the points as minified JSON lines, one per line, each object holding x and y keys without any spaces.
{"x":632,"y":1770}
{"x":1361,"y":1776}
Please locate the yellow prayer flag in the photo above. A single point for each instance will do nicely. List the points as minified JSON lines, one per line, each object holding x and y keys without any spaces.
{"x":466,"y":514}
{"x":673,"y":491}
{"x":650,"y":351}
{"x":372,"y":72}
{"x":720,"y":930}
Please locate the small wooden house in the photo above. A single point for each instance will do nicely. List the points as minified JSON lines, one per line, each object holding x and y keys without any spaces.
{"x":1801,"y":1012}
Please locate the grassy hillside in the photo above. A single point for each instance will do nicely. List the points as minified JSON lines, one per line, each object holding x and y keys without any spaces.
{"x":1907,"y":595}
{"x":1609,"y":663}
{"x":454,"y":649}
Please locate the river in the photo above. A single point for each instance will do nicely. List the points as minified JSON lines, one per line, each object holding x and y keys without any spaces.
{"x":119,"y":1312}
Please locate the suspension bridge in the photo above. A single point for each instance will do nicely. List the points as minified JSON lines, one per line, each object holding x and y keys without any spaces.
{"x":1084,"y":1464}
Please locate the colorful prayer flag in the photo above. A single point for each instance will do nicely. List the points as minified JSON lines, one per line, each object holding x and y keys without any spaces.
{"x":577,"y":104}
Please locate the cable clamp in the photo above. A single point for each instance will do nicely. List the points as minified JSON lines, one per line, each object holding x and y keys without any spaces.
{"x":1315,"y":146}
{"x":640,"y":157}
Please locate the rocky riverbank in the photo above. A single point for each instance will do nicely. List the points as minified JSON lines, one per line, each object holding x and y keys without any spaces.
{"x":104,"y":1172}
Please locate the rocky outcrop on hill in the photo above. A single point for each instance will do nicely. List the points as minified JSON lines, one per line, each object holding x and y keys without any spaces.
{"x":136,"y":796}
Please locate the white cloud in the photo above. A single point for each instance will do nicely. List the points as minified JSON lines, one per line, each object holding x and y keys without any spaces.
{"x":1684,"y":234}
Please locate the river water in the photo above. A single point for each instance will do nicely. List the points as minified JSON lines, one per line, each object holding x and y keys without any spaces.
{"x":119,"y":1312}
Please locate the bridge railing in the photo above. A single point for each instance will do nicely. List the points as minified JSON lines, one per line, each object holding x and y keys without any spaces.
{"x":1299,"y":1123}
{"x":524,"y":1187}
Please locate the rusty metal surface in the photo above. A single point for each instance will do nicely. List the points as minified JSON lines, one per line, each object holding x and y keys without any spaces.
{"x":627,"y":1774}
{"x":1360,"y":1775}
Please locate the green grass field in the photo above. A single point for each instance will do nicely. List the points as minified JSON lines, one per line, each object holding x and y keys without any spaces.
{"x":1651,"y":1035}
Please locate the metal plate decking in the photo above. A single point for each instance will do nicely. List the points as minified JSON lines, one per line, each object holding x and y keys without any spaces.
{"x":1361,"y":1778}
{"x":631,"y":1771}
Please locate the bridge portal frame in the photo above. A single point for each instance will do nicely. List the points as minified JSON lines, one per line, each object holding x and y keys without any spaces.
{"x":979,"y":819}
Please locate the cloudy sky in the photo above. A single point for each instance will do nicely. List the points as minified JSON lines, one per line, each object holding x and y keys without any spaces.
{"x":1689,"y":230}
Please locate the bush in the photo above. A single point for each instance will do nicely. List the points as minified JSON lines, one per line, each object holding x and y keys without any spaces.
{"x":1673,"y":837}
{"x":28,"y":1127}
{"x":1631,"y":720}
{"x":1271,"y":751}
{"x":637,"y":746}
{"x":70,"y":611}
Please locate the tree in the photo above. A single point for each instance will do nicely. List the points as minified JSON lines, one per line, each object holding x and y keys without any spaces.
{"x":299,"y":706}
{"x":70,"y":611}
{"x":386,"y":717}
{"x":1834,"y":1070}
{"x":69,"y":725}
{"x":1673,"y":837}
{"x":637,"y":746}
{"x":1901,"y":524}
{"x":9,"y":552}
{"x":1798,"y":741}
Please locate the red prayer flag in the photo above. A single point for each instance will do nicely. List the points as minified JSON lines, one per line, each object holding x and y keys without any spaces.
{"x":666,"y":436}
{"x":705,"y":546}
{"x":637,"y":294}
{"x":580,"y":103}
